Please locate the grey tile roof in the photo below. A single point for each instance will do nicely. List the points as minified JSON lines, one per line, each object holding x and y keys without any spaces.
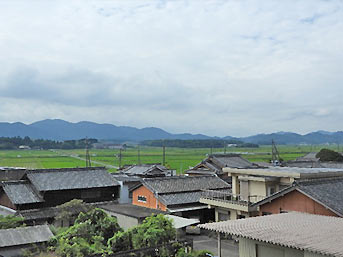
{"x":145,"y":169}
{"x":326,"y":191}
{"x":51,"y":212}
{"x":184,"y":184}
{"x":232,"y":161}
{"x":216,"y":162}
{"x":25,"y":235}
{"x":21,"y":192}
{"x":63,"y":179}
{"x":314,"y":233}
{"x":125,"y":178}
{"x":182,"y":198}
{"x":130,"y":210}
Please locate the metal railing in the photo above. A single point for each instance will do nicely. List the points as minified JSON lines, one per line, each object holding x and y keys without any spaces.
{"x":231,"y":198}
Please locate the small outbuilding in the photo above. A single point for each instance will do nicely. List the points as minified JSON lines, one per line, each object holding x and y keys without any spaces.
{"x":14,"y":241}
{"x":284,"y":235}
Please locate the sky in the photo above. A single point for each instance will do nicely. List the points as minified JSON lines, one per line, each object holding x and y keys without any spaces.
{"x":218,"y":68}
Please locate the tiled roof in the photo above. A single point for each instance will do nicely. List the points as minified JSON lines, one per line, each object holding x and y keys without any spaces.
{"x":327,"y":191}
{"x":232,"y":161}
{"x":184,"y":184}
{"x":24,"y":236}
{"x":51,"y":212}
{"x":21,"y":192}
{"x":182,"y":198}
{"x":314,"y":233}
{"x":130,"y":210}
{"x":144,"y":169}
{"x":63,"y":179}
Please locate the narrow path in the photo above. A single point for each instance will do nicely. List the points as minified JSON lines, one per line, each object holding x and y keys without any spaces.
{"x":83,"y":159}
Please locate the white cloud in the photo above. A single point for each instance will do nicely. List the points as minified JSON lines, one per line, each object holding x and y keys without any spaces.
{"x":215,"y":67}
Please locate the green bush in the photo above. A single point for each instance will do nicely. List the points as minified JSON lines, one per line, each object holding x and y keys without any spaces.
{"x":327,"y":155}
{"x":11,"y":221}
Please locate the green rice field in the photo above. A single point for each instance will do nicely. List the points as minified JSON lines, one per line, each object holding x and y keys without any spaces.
{"x":179,"y":159}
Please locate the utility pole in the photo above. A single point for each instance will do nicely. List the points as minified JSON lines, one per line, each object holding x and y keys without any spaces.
{"x":224,"y":148}
{"x":120,"y":157}
{"x":164,"y":154}
{"x":139,"y":155}
{"x":88,"y":158}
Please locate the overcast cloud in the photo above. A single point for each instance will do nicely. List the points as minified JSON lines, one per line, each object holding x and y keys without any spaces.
{"x":213,"y":67}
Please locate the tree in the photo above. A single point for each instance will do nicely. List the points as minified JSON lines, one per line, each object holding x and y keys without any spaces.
{"x":11,"y":221}
{"x":155,"y":230}
{"x":68,"y":210}
{"x":88,"y":236}
{"x":327,"y":155}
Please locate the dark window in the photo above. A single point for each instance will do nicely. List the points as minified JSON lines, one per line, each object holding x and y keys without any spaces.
{"x":141,"y":199}
{"x":266,"y":213}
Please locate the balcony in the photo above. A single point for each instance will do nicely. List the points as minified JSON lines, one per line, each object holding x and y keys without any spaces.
{"x":229,"y":200}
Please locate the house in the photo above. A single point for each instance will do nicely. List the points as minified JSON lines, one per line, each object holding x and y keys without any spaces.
{"x":214,"y":164}
{"x":48,"y":215}
{"x":52,"y":187}
{"x":148,"y":171}
{"x":13,"y":241}
{"x":314,"y":196}
{"x":311,"y":161}
{"x":126,"y":182}
{"x":128,"y":215}
{"x":11,"y":173}
{"x":179,"y":195}
{"x":284,"y":235}
{"x":253,"y":185}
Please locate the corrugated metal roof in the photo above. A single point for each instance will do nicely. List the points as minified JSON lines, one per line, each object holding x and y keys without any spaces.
{"x":21,"y":192}
{"x":24,"y":235}
{"x":314,"y":233}
{"x":63,"y":179}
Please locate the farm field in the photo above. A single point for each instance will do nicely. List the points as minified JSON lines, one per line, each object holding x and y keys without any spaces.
{"x":179,"y":159}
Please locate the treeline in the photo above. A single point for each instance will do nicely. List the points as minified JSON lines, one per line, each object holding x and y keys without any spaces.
{"x":11,"y":143}
{"x":197,"y":143}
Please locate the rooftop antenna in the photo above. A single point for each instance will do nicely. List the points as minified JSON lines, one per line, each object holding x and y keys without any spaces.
{"x":275,"y":155}
{"x":88,"y":158}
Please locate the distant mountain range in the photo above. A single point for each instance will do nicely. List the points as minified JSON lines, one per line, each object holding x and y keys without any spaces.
{"x":63,"y":130}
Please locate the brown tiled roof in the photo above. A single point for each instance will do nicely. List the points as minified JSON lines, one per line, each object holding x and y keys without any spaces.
{"x":314,"y":233}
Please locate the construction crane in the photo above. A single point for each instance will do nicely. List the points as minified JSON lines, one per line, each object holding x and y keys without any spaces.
{"x":276,"y":160}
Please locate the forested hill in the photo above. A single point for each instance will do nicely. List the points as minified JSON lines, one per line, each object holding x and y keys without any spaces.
{"x":63,"y":130}
{"x":204,"y":143}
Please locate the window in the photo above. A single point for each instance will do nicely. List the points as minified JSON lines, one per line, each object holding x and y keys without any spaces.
{"x":271,"y":190}
{"x":266,"y":213}
{"x":141,"y":199}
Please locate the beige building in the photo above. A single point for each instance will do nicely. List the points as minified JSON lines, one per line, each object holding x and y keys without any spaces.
{"x":252,"y":185}
{"x":284,"y":235}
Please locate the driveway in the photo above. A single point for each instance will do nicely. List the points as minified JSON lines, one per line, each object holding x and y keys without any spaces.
{"x":202,"y":242}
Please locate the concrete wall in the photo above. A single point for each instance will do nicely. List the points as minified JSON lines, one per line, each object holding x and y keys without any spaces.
{"x":257,"y":188}
{"x":124,"y":193}
{"x":151,"y":201}
{"x":295,"y":201}
{"x":309,"y":254}
{"x":126,"y":222}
